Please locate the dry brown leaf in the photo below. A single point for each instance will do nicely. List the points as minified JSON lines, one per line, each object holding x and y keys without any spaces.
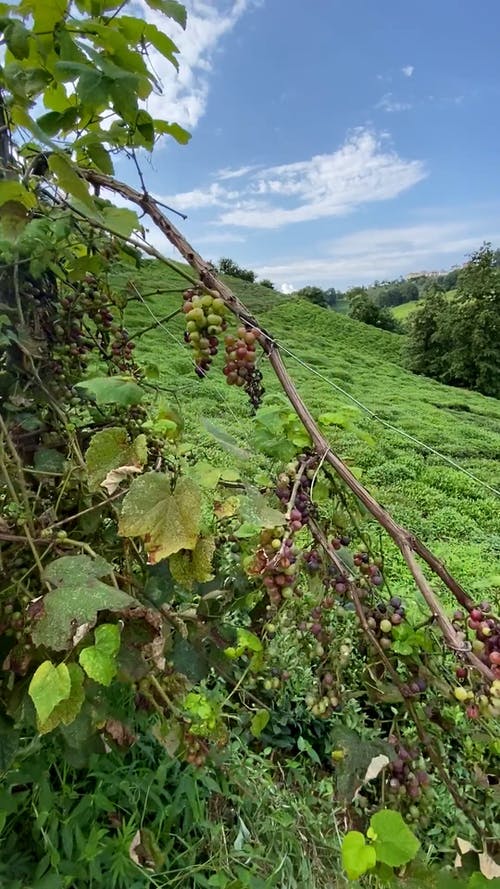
{"x":488,"y":866}
{"x":115,"y":477}
{"x":119,"y":732}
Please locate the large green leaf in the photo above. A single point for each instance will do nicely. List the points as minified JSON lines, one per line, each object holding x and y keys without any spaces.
{"x":172,"y":129}
{"x":113,"y":390}
{"x":79,"y":596}
{"x":167,"y":521}
{"x":357,"y":856}
{"x":102,"y":159}
{"x":67,"y":710}
{"x":121,"y":220}
{"x":55,"y":121}
{"x":172,"y":8}
{"x":13,"y":191}
{"x":17,"y":38}
{"x":111,"y":449}
{"x":394,"y":843}
{"x":48,"y":687}
{"x":69,"y":180}
{"x":161,"y":42}
{"x":99,"y":660}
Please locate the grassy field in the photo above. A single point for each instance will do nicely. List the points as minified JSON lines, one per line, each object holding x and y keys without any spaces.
{"x":403,"y":312}
{"x":457,"y":517}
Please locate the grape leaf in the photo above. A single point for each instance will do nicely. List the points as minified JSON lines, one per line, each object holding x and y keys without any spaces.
{"x":193,"y":566}
{"x":394,"y":843}
{"x":167,"y":521}
{"x":12,"y":191}
{"x":48,"y":687}
{"x":165,"y":46}
{"x":121,"y":220}
{"x":69,"y":180}
{"x":111,"y":449}
{"x":172,"y":8}
{"x":76,"y":601}
{"x":259,"y":722}
{"x":113,"y":390}
{"x":172,"y":129}
{"x":357,"y":856}
{"x":67,"y":710}
{"x":17,"y":39}
{"x":99,"y":660}
{"x":102,"y":159}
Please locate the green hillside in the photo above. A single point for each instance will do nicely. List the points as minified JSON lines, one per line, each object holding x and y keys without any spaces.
{"x":453,"y":513}
{"x":403,"y":312}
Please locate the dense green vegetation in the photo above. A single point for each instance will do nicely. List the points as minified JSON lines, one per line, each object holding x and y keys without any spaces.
{"x":457,"y":339}
{"x":216,"y":668}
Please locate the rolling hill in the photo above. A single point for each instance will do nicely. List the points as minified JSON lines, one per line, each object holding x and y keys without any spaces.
{"x":456,"y":516}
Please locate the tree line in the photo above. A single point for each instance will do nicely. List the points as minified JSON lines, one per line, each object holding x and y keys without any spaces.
{"x":455,"y":338}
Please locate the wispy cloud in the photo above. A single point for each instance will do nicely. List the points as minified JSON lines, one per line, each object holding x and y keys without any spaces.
{"x":363,"y":170}
{"x":391,"y":105}
{"x":185,"y":93}
{"x":408,"y":70}
{"x":383,"y":254}
{"x":230,"y":173}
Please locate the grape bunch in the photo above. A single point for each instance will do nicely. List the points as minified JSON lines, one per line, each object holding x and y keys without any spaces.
{"x":407,"y":776}
{"x":196,"y":750}
{"x":303,"y":469}
{"x":369,"y":568}
{"x":383,"y":618}
{"x":240,"y":368}
{"x":276,"y":563}
{"x":312,"y":561}
{"x":487,"y":632}
{"x":204,"y":324}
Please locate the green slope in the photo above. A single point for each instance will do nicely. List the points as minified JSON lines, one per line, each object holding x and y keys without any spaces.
{"x":453,"y":513}
{"x":403,"y":312}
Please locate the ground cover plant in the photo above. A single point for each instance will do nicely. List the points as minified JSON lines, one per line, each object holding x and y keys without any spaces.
{"x":218,"y":662}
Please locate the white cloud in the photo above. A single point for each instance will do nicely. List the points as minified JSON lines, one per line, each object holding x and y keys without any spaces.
{"x":361,"y":171}
{"x":408,"y":70}
{"x":185,"y":93}
{"x":391,"y":105}
{"x":287,"y":289}
{"x":384,"y":254}
{"x":229,"y":173}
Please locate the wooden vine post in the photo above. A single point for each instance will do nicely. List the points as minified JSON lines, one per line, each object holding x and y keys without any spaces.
{"x":409,"y":545}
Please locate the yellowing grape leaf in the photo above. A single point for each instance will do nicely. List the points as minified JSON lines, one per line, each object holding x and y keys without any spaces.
{"x":166,"y":520}
{"x":111,"y":450}
{"x":48,"y":687}
{"x":76,"y":601}
{"x":66,"y":711}
{"x":193,"y":566}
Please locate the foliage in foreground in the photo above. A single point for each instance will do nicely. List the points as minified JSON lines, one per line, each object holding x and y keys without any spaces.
{"x":179,"y":655}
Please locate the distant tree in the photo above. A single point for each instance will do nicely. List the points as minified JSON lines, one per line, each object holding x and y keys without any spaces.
{"x":362,"y":308}
{"x":267,"y":283}
{"x":396,"y":293}
{"x":315,"y":295}
{"x":457,"y":339}
{"x":331,"y":296}
{"x":428,"y":339}
{"x":229,"y":267}
{"x":474,"y":358}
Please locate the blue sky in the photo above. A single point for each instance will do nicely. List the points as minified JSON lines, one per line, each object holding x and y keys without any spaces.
{"x":333,"y":143}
